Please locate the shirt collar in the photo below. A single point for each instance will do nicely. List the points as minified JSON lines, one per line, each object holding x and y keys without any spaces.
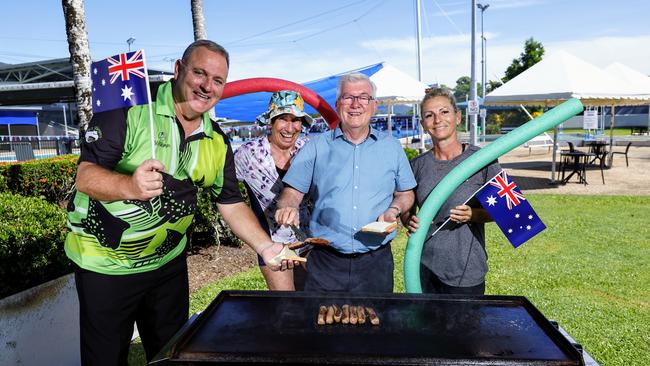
{"x":338,"y":133}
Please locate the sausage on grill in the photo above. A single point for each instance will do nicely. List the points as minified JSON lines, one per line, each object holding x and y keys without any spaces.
{"x":345,"y":319}
{"x":321,"y":314}
{"x":329,"y":318}
{"x":374,"y":319}
{"x":361,"y":314}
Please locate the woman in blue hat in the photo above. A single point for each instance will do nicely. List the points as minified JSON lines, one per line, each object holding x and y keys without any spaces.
{"x":261,"y":164}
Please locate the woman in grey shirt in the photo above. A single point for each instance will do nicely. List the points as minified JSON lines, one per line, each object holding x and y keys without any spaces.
{"x":454,"y":260}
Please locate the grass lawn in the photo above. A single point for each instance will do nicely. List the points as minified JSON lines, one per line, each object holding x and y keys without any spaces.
{"x":589,"y":270}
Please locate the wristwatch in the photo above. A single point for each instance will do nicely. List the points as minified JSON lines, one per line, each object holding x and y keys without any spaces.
{"x":399,"y":212}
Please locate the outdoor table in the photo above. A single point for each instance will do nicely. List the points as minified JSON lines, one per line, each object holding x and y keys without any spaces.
{"x":599,"y":149}
{"x":576,"y":161}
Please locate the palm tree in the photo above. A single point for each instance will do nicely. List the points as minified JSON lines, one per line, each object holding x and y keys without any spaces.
{"x":75,"y":27}
{"x":198,"y":20}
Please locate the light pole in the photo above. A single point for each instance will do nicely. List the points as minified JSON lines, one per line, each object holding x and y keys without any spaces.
{"x":129,"y":42}
{"x":483,"y":8}
{"x":472,"y":87}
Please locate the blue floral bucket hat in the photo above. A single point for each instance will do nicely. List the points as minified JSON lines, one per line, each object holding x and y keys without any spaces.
{"x":285,"y":101}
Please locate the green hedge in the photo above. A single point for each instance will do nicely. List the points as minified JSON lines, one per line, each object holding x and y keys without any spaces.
{"x":410,"y":153}
{"x":209,"y":227}
{"x":51,"y":179}
{"x":3,"y":184}
{"x":32,"y":233}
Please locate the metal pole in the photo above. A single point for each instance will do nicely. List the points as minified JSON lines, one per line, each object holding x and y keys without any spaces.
{"x":65,"y":121}
{"x":472,"y":89}
{"x":483,"y":7}
{"x":419,"y":59}
{"x":38,"y":133}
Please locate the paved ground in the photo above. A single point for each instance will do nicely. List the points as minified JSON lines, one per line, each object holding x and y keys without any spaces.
{"x":533,"y":173}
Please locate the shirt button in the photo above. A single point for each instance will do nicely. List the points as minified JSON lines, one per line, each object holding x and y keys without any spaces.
{"x":356,"y":167}
{"x":355,"y":187}
{"x":355,"y":207}
{"x":354,"y":228}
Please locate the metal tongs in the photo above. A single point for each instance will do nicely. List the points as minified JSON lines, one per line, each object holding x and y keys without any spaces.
{"x":300,"y":235}
{"x":304,"y":240}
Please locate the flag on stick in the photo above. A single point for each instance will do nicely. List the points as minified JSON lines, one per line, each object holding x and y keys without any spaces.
{"x":122,"y":81}
{"x":503,"y":200}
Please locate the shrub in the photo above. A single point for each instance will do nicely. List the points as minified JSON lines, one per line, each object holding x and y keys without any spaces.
{"x":51,"y":179}
{"x":410,"y":153}
{"x":32,"y":233}
{"x":3,"y":184}
{"x":209,"y":227}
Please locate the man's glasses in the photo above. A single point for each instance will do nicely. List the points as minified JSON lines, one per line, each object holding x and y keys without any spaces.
{"x":363,"y":99}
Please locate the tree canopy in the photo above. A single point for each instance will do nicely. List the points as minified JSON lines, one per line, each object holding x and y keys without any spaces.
{"x":533,"y":53}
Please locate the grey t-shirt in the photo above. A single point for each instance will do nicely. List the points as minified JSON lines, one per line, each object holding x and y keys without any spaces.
{"x":456,"y":254}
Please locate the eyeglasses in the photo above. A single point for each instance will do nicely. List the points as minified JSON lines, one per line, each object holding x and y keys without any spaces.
{"x":363,"y":99}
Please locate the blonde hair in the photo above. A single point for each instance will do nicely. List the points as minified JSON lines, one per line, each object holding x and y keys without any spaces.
{"x":439,"y":92}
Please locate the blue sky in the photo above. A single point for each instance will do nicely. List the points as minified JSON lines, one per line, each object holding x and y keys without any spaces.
{"x":306,"y":40}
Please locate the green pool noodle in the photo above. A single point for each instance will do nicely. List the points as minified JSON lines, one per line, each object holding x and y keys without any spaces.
{"x":466,"y":169}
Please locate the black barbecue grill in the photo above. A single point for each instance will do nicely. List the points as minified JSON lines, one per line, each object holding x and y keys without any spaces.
{"x":281,"y":327}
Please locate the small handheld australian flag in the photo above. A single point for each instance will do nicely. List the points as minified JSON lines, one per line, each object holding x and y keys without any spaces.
{"x":503,"y":200}
{"x":122,"y":81}
{"x":119,"y":81}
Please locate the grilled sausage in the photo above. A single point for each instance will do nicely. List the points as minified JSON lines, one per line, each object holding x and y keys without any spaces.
{"x":296,"y":245}
{"x":361,"y":314}
{"x":345,"y":319}
{"x":317,"y":241}
{"x":374,"y":319}
{"x":338,"y":313}
{"x":353,"y":314}
{"x":329,"y":318}
{"x":322,"y":312}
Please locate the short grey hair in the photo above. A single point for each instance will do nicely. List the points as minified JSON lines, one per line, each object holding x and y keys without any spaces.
{"x":439,"y":92}
{"x":210,"y":45}
{"x":355,"y":77}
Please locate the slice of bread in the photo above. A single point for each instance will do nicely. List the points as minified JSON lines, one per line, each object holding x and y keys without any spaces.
{"x":286,"y":253}
{"x":380,"y":227}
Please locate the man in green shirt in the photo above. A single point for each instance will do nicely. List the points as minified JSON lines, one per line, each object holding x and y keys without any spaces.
{"x":129,"y":214}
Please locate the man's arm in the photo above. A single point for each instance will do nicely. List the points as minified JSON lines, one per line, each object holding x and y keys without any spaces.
{"x":402,"y":202}
{"x":106,"y":185}
{"x":287,"y":212}
{"x":244,"y":224}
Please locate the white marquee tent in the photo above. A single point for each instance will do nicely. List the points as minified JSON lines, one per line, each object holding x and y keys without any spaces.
{"x":562,"y":76}
{"x":632,"y":77}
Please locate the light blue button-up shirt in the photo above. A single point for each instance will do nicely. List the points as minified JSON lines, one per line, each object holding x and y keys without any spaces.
{"x":351,"y":185}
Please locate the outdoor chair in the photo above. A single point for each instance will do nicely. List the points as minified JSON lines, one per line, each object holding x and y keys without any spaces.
{"x":571,"y":147}
{"x":627,"y":149}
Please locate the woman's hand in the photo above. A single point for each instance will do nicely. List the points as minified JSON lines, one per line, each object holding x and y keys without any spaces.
{"x":413,"y":224}
{"x":461,"y":214}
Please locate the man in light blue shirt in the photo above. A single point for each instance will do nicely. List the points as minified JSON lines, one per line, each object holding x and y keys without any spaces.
{"x":355,"y":175}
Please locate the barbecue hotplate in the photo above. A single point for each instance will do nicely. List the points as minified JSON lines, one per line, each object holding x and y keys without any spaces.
{"x":281,"y":327}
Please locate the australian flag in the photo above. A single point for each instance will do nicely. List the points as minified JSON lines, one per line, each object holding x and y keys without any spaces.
{"x":503,"y":200}
{"x":119,"y":81}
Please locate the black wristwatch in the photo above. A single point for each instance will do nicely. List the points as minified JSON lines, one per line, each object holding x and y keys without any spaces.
{"x":399,"y":212}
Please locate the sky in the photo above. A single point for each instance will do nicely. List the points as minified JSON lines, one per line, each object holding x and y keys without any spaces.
{"x":303,"y":41}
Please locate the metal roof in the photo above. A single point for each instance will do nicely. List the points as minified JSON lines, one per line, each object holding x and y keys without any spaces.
{"x":48,"y":81}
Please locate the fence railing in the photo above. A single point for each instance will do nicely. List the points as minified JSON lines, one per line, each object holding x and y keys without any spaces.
{"x":22,"y":148}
